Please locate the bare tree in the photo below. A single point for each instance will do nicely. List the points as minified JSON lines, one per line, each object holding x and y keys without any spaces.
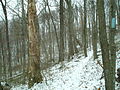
{"x":61,"y":52}
{"x":104,"y":45}
{"x":112,"y":42}
{"x":7,"y":34}
{"x":94,"y":31}
{"x":34,"y":48}
{"x":24,"y":37}
{"x":70,"y":29}
{"x":85,"y":30}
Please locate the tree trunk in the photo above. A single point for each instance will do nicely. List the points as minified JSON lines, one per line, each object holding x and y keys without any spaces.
{"x":89,"y":33}
{"x":94,"y":31}
{"x":70,"y":28}
{"x":7,"y":36}
{"x":34,"y":48}
{"x":104,"y":44}
{"x":24,"y":29}
{"x":2,"y":55}
{"x":84,"y":31}
{"x":61,"y":52}
{"x":112,"y":42}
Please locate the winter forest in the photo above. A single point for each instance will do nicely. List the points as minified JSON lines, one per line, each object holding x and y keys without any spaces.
{"x":59,"y":44}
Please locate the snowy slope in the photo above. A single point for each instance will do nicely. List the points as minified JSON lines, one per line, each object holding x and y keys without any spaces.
{"x":79,"y":74}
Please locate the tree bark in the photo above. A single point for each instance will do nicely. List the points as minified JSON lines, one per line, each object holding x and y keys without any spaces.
{"x":61,"y":52}
{"x":24,"y":37}
{"x":34,"y":48}
{"x":84,"y":31}
{"x":94,"y":31}
{"x":104,"y":44}
{"x":70,"y":28}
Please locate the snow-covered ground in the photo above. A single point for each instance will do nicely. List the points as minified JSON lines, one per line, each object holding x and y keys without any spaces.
{"x":79,"y":74}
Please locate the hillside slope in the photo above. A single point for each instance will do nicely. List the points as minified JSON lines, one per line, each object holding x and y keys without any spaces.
{"x":79,"y":74}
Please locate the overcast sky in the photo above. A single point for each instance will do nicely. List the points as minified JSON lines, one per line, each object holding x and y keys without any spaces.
{"x":13,"y":4}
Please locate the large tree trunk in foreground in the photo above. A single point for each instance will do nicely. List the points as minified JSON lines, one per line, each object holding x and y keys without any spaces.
{"x":104,"y":44}
{"x":34,"y":48}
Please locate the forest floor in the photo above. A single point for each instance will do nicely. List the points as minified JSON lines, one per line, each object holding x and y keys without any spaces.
{"x":79,"y":74}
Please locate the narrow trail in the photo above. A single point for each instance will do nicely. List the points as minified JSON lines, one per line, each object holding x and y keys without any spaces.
{"x":76,"y":74}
